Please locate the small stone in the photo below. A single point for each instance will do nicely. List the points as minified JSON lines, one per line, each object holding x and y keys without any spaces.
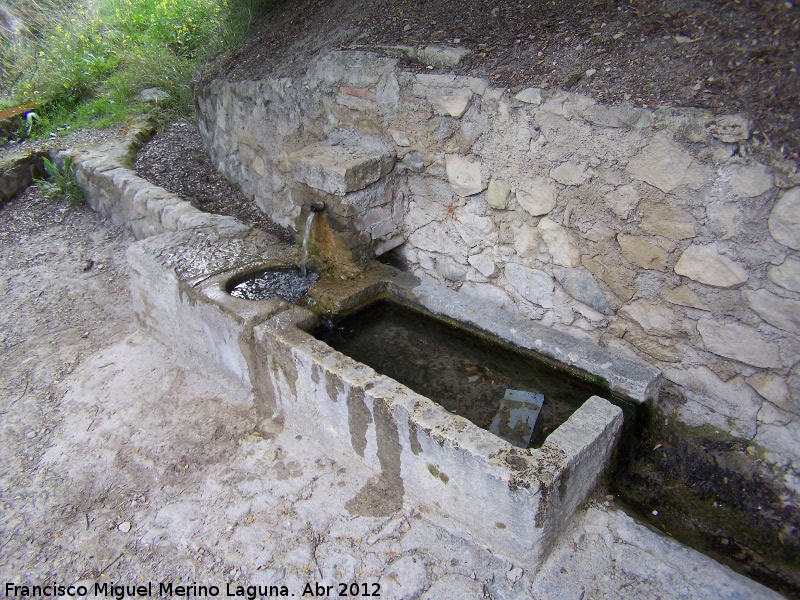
{"x":683,"y":39}
{"x":414,"y":161}
{"x":786,"y":275}
{"x":153,"y":94}
{"x":731,"y":128}
{"x":484,"y":263}
{"x":124,"y":527}
{"x":654,"y":319}
{"x":514,"y":573}
{"x":497,"y":194}
{"x":739,"y":342}
{"x":580,"y":284}
{"x":772,"y":387}
{"x":665,"y":220}
{"x":784,"y":220}
{"x":530,"y":95}
{"x":683,"y":296}
{"x":590,"y":72}
{"x":474,"y":229}
{"x":642,"y":253}
{"x":464,"y":175}
{"x":663,"y":164}
{"x":706,"y":265}
{"x":407,"y":27}
{"x":782,"y":313}
{"x":570,"y":173}
{"x":454,"y":105}
{"x":749,"y":182}
{"x":559,"y":243}
{"x":533,"y":285}
{"x":442,"y":56}
{"x":400,"y":138}
{"x":623,"y":201}
{"x":538,"y":197}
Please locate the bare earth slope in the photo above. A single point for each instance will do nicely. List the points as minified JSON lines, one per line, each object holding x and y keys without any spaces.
{"x":723,"y":56}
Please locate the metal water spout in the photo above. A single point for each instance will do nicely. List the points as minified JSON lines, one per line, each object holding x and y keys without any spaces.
{"x":318,"y":206}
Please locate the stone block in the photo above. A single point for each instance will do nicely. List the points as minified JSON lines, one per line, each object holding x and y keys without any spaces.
{"x":786,"y":275}
{"x":684,"y":296}
{"x":532,"y":284}
{"x":580,"y":284}
{"x":653,"y":318}
{"x":643,"y":253}
{"x":451,"y":105}
{"x":483,"y":263}
{"x":464,"y":175}
{"x":706,"y":265}
{"x":623,"y":201}
{"x":346,"y":162}
{"x":668,"y":221}
{"x":783,"y":313}
{"x":750,"y":181}
{"x":739,"y":342}
{"x":530,"y":95}
{"x":570,"y":173}
{"x":784,"y":220}
{"x":537,"y":196}
{"x":663,"y":164}
{"x":497,"y":194}
{"x":560,"y":243}
{"x":474,"y":229}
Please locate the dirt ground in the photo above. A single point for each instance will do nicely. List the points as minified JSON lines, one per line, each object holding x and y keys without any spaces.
{"x":739,"y":56}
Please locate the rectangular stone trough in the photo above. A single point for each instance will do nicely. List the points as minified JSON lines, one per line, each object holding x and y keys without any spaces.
{"x":515,"y":501}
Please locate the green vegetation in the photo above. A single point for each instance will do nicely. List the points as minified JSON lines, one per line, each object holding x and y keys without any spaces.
{"x":89,"y":61}
{"x":61,"y":184}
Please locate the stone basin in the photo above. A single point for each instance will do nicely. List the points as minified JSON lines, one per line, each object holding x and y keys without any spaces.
{"x":419,"y":453}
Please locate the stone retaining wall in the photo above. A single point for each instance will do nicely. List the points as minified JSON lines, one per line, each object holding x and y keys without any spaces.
{"x":657,"y":234}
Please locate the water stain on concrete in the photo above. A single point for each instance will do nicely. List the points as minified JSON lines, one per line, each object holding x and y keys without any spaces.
{"x":383,"y":495}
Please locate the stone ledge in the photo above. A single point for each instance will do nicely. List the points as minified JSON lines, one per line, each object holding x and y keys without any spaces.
{"x":345,"y":162}
{"x":117,"y":193}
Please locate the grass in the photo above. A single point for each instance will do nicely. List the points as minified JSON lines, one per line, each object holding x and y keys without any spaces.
{"x":87,"y":63}
{"x":61,"y":183}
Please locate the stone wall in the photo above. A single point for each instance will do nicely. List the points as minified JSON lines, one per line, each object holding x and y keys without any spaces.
{"x":664,"y":235}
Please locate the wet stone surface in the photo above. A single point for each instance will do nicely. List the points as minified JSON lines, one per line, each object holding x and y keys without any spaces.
{"x":286,"y":283}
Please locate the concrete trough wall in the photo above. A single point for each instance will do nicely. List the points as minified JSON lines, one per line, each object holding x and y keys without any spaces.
{"x":178,"y":292}
{"x":514,"y":501}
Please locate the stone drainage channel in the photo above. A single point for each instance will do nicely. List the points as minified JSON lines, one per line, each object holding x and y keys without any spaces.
{"x":182,"y":272}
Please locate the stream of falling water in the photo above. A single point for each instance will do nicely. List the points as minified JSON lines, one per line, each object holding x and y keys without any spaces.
{"x":306,"y":235}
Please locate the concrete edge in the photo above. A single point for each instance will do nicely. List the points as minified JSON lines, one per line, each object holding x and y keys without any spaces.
{"x":117,"y":193}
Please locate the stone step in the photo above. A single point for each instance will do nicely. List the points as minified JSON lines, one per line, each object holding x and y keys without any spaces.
{"x":345,"y":162}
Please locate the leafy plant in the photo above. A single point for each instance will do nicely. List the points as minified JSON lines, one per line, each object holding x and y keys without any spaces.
{"x":85,"y":63}
{"x":61,"y":183}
